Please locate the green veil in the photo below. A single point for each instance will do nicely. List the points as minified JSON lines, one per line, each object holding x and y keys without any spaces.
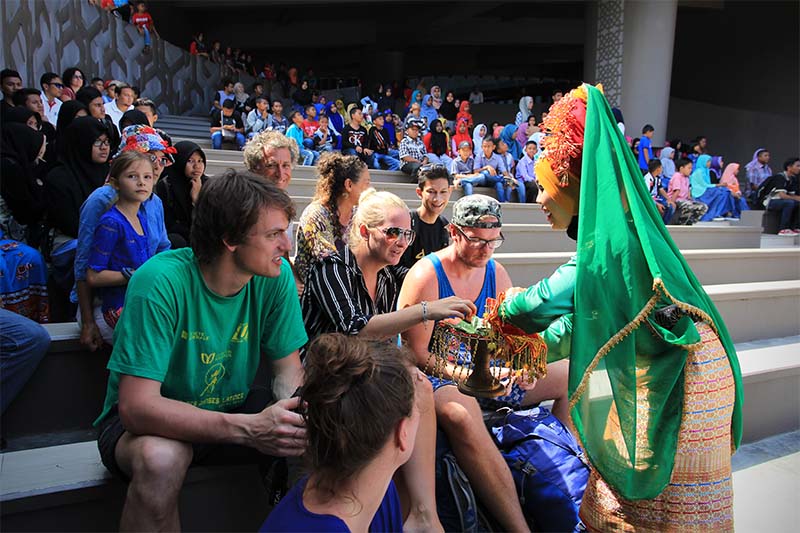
{"x":626,"y":372}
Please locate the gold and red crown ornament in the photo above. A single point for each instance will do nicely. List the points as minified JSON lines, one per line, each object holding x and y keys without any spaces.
{"x":482,"y":351}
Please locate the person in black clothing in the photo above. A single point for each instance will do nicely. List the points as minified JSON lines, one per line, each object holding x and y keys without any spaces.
{"x":83,"y":167}
{"x":92,"y":98}
{"x":434,"y":187}
{"x":379,"y":142}
{"x":70,"y":110}
{"x":22,"y":191}
{"x":32,"y":119}
{"x":779,"y":193}
{"x":449,"y":111}
{"x":179,"y":191}
{"x":10,"y":82}
{"x":133,"y":117}
{"x":355,"y":140}
{"x":227,"y":125}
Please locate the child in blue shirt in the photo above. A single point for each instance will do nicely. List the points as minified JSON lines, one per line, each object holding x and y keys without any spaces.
{"x":646,"y":147}
{"x":362,"y":420}
{"x":120,"y":243}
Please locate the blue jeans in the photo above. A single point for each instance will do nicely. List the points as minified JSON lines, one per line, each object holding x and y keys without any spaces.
{"x":443,"y":159}
{"x":216,"y":140}
{"x":389,"y":162}
{"x":308,"y":157}
{"x":468,"y":183}
{"x":146,"y":33}
{"x":23,"y":344}
{"x":786,"y":208}
{"x":368,"y":159}
{"x":499,"y":184}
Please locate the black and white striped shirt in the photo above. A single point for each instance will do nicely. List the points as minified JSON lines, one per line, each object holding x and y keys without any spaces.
{"x":335,"y":299}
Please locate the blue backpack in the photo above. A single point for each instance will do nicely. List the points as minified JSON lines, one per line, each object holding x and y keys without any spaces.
{"x":548,"y":466}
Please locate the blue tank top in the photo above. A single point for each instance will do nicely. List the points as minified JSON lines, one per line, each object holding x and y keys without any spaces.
{"x":487,"y":291}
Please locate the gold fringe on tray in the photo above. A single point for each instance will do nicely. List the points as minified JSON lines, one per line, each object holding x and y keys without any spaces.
{"x":524,"y":354}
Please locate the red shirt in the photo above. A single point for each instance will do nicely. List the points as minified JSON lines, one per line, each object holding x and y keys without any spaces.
{"x":142,"y":19}
{"x":310,"y":127}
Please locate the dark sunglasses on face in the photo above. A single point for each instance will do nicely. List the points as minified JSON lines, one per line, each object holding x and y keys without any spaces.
{"x":394,"y":233}
{"x":59,"y":85}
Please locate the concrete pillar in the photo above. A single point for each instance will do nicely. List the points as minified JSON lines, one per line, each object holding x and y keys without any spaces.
{"x":648,"y":41}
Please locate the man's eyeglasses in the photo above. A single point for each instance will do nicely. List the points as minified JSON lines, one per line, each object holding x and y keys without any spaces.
{"x":59,"y":85}
{"x":394,"y":233}
{"x":101,"y":142}
{"x":475,"y":242}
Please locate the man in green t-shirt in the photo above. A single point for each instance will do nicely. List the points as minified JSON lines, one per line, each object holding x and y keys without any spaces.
{"x":196,"y":324}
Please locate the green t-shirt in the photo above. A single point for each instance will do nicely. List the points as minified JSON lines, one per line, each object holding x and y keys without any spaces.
{"x":203,"y":348}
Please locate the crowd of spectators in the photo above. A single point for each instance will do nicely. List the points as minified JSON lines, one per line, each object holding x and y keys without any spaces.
{"x":99,"y":207}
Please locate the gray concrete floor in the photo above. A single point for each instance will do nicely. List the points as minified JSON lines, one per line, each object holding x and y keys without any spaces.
{"x":766,"y":485}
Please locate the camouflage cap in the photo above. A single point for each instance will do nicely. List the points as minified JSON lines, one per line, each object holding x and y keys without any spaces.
{"x":469,"y":212}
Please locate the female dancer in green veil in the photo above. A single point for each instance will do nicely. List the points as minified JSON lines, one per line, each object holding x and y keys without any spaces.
{"x":655,"y":387}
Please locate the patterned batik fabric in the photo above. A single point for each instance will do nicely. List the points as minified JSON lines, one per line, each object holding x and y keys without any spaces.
{"x":699,"y":496}
{"x":23,"y":281}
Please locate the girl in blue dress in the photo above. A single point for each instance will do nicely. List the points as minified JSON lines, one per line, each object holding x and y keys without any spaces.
{"x":120,"y":244}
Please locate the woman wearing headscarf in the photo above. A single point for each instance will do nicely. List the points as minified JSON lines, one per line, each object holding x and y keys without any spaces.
{"x":23,"y":271}
{"x":72,"y":109}
{"x":386,"y":100}
{"x":730,"y":179}
{"x":650,"y":357}
{"x":496,"y":129}
{"x":448,"y":110}
{"x":478,"y":134}
{"x":302,"y":96}
{"x":436,"y":144}
{"x":23,"y":115}
{"x":718,"y":198}
{"x":240,"y":97}
{"x":179,"y":190}
{"x":428,"y":112}
{"x":416,"y":96}
{"x":461,"y":135}
{"x":463,"y":112}
{"x":83,"y":167}
{"x":21,"y":190}
{"x":525,"y":110}
{"x":667,"y":163}
{"x":507,"y":135}
{"x":436,"y":96}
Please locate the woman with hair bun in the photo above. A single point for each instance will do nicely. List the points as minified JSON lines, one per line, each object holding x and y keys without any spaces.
{"x":350,"y":463}
{"x":354,"y":290}
{"x":323,"y":224}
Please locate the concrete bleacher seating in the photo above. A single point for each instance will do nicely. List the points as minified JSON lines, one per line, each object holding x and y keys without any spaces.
{"x":52,"y":477}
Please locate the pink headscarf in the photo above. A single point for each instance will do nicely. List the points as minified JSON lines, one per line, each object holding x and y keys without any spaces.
{"x":729,"y":178}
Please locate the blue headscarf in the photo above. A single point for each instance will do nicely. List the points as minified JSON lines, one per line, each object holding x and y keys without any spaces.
{"x":701,"y":177}
{"x":334,"y":117}
{"x":507,"y":135}
{"x":388,"y":125}
{"x":428,"y":111}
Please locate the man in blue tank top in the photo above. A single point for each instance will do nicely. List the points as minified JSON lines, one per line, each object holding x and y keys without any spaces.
{"x":466,"y":269}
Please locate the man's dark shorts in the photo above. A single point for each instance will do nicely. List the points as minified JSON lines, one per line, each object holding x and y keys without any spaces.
{"x":111,"y":430}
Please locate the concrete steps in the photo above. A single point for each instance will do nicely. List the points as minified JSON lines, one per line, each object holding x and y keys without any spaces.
{"x":711,"y":266}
